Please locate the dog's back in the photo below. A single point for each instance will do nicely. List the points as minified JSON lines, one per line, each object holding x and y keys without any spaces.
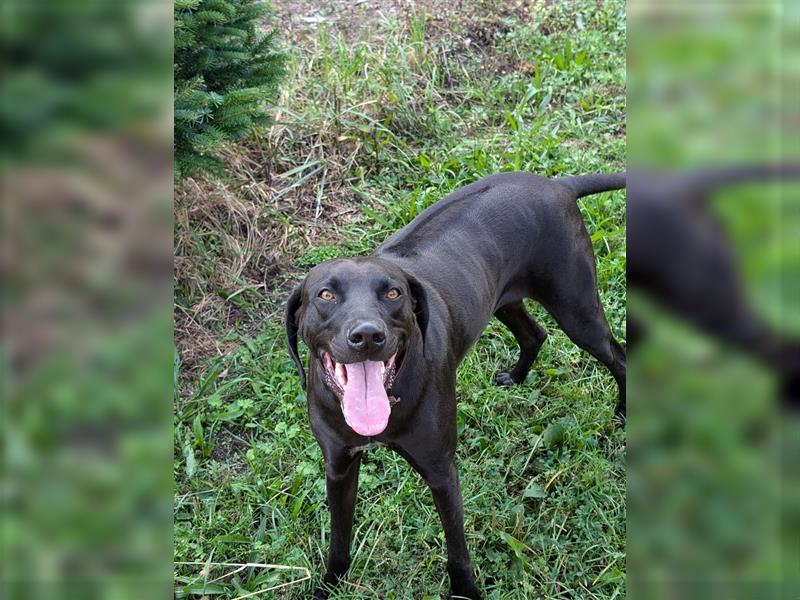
{"x":489,"y":243}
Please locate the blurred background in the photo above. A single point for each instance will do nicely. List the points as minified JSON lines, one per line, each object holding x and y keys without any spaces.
{"x":713,"y":306}
{"x":87,"y":266}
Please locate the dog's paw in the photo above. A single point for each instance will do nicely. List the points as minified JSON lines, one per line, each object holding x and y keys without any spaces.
{"x":503,"y":379}
{"x":466,"y":594}
{"x":462,"y":584}
{"x":321,"y":593}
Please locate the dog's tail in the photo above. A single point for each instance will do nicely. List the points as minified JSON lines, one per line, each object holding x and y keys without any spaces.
{"x":586,"y":185}
{"x":738,"y":174}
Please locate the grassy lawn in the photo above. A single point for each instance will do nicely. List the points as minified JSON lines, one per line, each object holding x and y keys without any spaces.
{"x":376,"y":123}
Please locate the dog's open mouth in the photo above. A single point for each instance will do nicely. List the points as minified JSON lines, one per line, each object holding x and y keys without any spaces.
{"x":362,"y":388}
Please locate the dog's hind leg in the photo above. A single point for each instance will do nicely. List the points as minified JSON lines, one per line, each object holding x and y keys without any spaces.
{"x":581,"y":317}
{"x":590,"y":331}
{"x":529,"y":335}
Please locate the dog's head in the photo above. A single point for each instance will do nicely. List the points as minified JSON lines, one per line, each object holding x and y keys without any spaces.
{"x":357,"y":316}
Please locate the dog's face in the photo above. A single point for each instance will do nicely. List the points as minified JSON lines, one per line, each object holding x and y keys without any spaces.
{"x":356,"y":316}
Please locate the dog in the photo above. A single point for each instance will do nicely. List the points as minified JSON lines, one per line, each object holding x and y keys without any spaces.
{"x":386,"y":333}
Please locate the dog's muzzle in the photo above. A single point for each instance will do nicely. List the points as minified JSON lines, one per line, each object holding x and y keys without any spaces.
{"x":363,"y":390}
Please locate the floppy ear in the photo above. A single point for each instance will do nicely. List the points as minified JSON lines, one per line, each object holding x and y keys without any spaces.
{"x":292,"y":305}
{"x":421,"y":309}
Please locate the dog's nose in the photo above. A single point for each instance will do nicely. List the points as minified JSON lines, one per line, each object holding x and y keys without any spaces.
{"x":366,"y":336}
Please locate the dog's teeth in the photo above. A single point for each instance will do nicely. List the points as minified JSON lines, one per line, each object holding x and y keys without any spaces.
{"x":340,"y":374}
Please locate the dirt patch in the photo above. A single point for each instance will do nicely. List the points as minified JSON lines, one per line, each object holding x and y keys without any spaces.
{"x":227,"y":445}
{"x":238,"y":239}
{"x":471,"y":28}
{"x":357,"y":18}
{"x":236,"y":247}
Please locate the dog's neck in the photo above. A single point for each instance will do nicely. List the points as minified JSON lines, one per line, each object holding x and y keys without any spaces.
{"x":407,"y":380}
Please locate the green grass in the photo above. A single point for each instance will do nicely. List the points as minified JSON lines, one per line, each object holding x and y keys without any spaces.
{"x":404,"y":117}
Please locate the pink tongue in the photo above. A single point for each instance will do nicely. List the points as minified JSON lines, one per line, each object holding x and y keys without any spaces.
{"x":365,"y":403}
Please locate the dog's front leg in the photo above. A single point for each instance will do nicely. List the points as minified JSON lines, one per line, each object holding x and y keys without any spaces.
{"x":341,"y":476}
{"x":447,"y":497}
{"x":444,"y":485}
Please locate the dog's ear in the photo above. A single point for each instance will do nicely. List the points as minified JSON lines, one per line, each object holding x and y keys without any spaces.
{"x":292,"y":322}
{"x":421,"y":308}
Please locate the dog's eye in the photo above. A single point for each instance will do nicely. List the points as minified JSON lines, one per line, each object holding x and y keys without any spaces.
{"x":393,"y":294}
{"x":326,"y":295}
